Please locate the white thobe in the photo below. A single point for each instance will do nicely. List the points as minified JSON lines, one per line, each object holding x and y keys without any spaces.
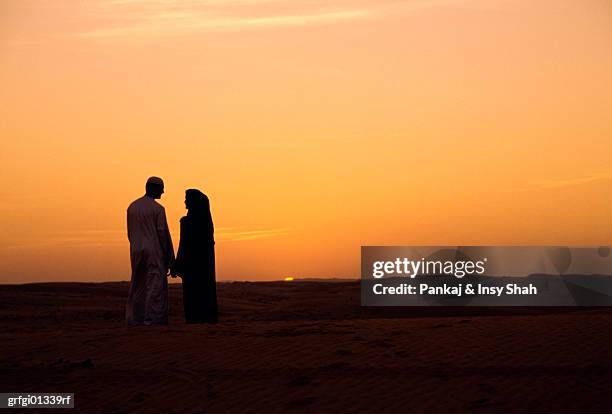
{"x":151,"y":254}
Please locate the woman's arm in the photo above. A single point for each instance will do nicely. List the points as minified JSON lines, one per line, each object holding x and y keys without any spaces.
{"x":179,"y":263}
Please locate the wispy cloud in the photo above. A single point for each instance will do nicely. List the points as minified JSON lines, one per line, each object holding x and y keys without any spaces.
{"x":116,"y":238}
{"x":68,"y":238}
{"x":571,"y":182}
{"x":233,"y":234}
{"x":160,"y":18}
{"x":551,"y":184}
{"x":185,"y":23}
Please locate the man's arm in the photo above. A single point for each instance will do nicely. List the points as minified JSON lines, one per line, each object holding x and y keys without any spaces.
{"x":179,"y":262}
{"x":128,"y":227}
{"x":165,"y":239}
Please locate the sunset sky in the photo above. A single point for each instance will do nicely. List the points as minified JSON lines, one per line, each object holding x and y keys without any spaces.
{"x":315,"y":127}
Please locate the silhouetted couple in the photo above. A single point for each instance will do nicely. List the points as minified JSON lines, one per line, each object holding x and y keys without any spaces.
{"x":152,"y":259}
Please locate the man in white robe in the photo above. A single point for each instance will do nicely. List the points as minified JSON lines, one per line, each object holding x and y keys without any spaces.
{"x":151,"y":255}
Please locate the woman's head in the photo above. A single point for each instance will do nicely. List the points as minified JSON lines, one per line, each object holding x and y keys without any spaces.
{"x":196,"y":201}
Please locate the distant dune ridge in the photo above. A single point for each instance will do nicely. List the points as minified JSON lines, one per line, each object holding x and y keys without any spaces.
{"x":301,"y":346}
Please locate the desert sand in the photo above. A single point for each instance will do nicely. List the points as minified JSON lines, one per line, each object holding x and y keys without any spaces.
{"x":302,"y":347}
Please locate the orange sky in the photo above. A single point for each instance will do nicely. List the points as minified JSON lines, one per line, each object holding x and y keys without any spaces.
{"x":314,"y":126}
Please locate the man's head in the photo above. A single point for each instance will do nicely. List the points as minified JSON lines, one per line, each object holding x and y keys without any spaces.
{"x":155,"y":187}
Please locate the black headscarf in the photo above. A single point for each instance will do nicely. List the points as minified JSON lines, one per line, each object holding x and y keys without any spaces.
{"x":199,"y":209}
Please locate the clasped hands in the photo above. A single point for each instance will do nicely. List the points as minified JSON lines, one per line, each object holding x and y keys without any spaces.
{"x":173,"y":271}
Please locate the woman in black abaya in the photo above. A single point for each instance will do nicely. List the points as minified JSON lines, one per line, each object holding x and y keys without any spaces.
{"x":195,"y":260}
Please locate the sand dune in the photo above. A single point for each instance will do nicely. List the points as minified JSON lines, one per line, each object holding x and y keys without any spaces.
{"x":303,"y":347}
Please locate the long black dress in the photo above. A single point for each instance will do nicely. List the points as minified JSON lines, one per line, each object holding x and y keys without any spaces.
{"x":195,"y":263}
